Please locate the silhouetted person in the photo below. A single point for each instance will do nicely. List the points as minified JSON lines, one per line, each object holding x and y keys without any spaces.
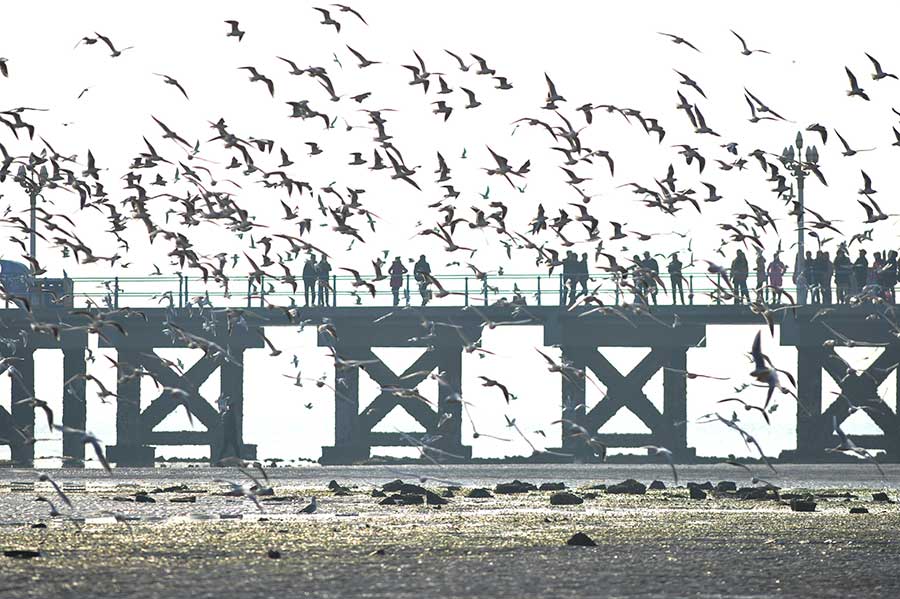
{"x":876,"y":277}
{"x":824,"y":271}
{"x":582,"y":273}
{"x":397,"y":270}
{"x":639,"y":278}
{"x":570,"y":266}
{"x":421,"y":269}
{"x":776,"y":271}
{"x":323,"y":271}
{"x":761,"y":290}
{"x":798,"y":276}
{"x":843,"y":273}
{"x":652,"y":267}
{"x":740,"y":270}
{"x":890,"y":276}
{"x":860,"y":272}
{"x":677,"y":279}
{"x":811,"y":272}
{"x":309,"y":280}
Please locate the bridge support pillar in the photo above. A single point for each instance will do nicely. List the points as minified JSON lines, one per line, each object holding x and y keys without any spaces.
{"x":74,"y":401}
{"x":17,"y":425}
{"x":354,"y":429}
{"x":129,"y":449}
{"x":858,"y":389}
{"x":231,"y":443}
{"x":179,"y":389}
{"x":579,"y":340}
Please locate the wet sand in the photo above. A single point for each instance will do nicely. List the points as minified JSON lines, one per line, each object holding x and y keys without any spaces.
{"x":661,"y":544}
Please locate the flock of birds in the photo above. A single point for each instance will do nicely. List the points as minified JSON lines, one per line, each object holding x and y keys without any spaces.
{"x":201,"y":194}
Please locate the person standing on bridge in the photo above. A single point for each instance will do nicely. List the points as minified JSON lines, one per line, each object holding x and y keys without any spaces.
{"x":323,"y":272}
{"x":860,"y":272}
{"x":309,"y":279}
{"x":583,"y":274}
{"x":652,"y":267}
{"x":740,"y":270}
{"x":570,"y":266}
{"x":397,"y":271}
{"x":421,"y":269}
{"x":776,"y":271}
{"x":762,"y":292}
{"x":677,"y":278}
{"x":890,"y":276}
{"x":843,"y":273}
{"x":826,"y":273}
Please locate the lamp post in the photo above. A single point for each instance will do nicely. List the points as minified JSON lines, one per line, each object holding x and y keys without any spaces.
{"x":25,"y":178}
{"x":801,"y":169}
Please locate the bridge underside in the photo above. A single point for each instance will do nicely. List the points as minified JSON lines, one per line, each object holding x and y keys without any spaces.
{"x":582,"y":340}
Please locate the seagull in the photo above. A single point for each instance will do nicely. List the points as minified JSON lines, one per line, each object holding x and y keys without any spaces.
{"x":486,"y":382}
{"x":255,"y":76}
{"x":45,"y":478}
{"x":654,"y":450}
{"x":174,"y":82}
{"x":241,"y":490}
{"x":745,"y":50}
{"x":676,"y":39}
{"x":112,"y":48}
{"x":847,"y":445}
{"x":855,"y":89}
{"x":327,"y":20}
{"x":848,"y":151}
{"x":235,"y":32}
{"x":345,"y":8}
{"x":879,"y":73}
{"x":311,"y":508}
{"x":86,"y":437}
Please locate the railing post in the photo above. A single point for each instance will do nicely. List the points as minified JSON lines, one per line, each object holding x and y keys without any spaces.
{"x":467,"y":291}
{"x":562,"y":299}
{"x":180,"y":291}
{"x":485,"y":290}
{"x":116,"y":293}
{"x":249,"y":290}
{"x":262,"y":291}
{"x":187,"y":298}
{"x":334,"y":291}
{"x":691,"y":289}
{"x":539,"y":290}
{"x":407,"y":290}
{"x":718,"y":289}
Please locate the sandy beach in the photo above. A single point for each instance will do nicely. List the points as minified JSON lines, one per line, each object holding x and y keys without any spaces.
{"x":658,"y":544}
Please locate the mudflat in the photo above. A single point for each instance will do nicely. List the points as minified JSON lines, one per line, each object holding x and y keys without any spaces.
{"x":658,"y":544}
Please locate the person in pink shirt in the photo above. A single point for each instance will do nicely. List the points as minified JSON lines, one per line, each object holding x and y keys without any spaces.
{"x":776,"y":272}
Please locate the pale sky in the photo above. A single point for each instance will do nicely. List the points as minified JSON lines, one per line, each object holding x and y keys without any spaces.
{"x":600,"y":53}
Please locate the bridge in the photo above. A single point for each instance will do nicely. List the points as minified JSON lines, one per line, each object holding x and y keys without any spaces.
{"x":233,"y":323}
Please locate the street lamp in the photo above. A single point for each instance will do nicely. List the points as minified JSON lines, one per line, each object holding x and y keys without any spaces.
{"x":801,"y":169}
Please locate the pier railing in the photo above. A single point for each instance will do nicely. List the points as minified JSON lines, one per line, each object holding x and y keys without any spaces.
{"x":535,"y":289}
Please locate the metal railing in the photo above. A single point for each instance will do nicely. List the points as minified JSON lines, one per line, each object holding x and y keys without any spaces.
{"x":536,"y":289}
